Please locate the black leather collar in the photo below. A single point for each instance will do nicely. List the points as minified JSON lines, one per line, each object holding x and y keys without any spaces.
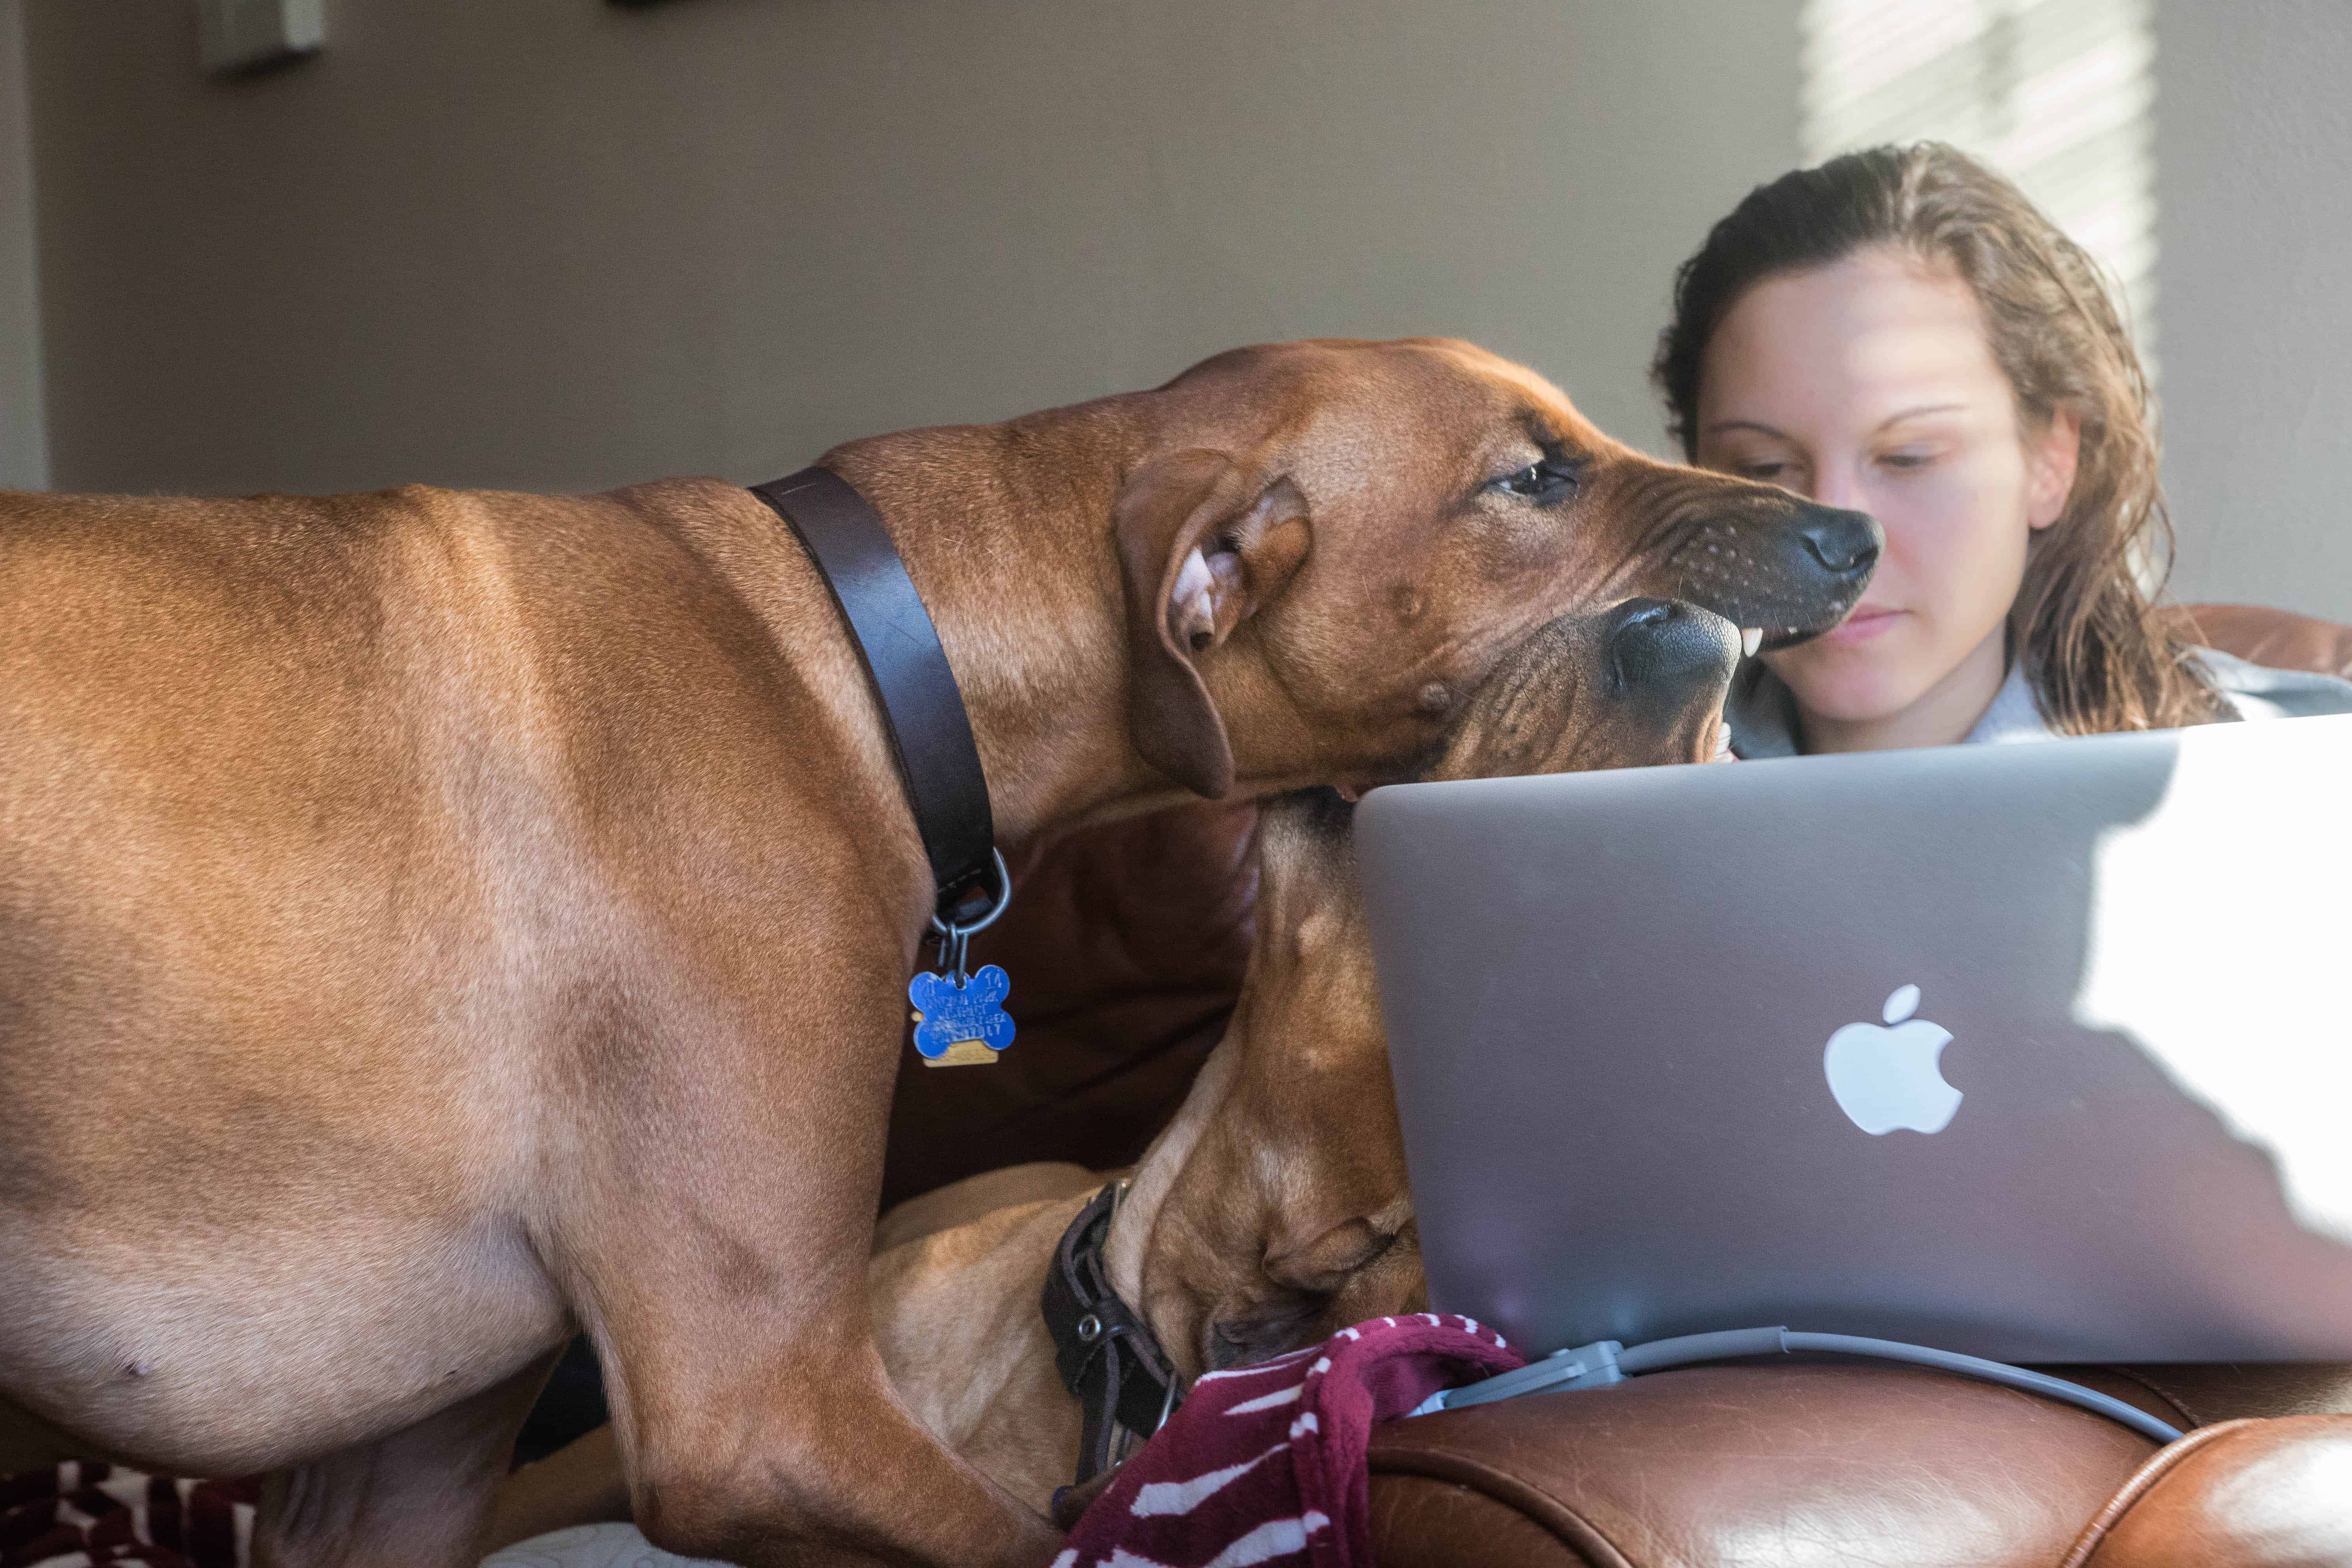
{"x":922,"y":712}
{"x":1104,"y":1352}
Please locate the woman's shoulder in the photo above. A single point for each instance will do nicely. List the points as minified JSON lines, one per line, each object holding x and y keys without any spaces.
{"x":2259,"y":692}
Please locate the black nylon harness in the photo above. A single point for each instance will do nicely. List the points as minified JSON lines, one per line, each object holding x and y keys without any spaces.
{"x":1106,"y":1353}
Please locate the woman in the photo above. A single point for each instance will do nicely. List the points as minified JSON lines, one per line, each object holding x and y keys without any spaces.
{"x":1901,"y":331}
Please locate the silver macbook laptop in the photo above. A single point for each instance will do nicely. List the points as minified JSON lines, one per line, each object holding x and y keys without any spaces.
{"x":2035,"y":1052}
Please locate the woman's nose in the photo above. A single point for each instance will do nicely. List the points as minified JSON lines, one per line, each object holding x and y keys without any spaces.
{"x":1837,"y":485}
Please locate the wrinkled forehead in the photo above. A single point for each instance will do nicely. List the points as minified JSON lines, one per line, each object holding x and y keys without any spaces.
{"x":1547,"y":705}
{"x":1552,"y":676}
{"x":1343,"y":406}
{"x":1533,"y":402}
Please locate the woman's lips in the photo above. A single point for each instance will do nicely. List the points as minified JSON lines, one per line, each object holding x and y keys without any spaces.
{"x":1863,"y":623}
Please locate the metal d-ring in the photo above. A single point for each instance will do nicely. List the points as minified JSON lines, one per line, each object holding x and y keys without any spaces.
{"x":1004,"y":897}
{"x":955,"y":936}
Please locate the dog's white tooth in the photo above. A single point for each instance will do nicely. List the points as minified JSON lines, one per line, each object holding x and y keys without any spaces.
{"x":1750,"y":639}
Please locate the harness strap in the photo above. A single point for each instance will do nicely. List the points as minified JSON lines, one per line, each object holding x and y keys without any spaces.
{"x":1106,"y":1353}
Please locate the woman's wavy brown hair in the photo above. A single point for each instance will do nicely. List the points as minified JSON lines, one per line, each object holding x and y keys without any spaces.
{"x":2099,"y":655}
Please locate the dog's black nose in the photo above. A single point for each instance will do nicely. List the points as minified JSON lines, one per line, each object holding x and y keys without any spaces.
{"x":1847,"y":543}
{"x":1662,"y":642}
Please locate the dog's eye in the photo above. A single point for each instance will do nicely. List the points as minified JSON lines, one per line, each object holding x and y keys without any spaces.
{"x":1549,"y":480}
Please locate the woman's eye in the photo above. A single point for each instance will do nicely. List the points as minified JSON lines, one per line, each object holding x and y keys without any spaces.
{"x":1764,"y":473}
{"x":1905,"y":459}
{"x":1547,"y":481}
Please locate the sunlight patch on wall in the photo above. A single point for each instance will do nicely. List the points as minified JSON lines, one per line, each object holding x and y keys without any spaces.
{"x":2058,"y":95}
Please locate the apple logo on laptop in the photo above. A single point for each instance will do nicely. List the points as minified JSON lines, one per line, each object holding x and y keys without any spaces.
{"x":1886,"y":1077}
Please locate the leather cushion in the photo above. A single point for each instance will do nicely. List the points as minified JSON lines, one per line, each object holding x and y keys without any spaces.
{"x":2201,"y":1394}
{"x":2251,"y":1494}
{"x":1785,"y":1466}
{"x":2277,"y":637}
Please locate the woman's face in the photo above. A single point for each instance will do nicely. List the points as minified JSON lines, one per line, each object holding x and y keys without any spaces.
{"x":1871,"y":383}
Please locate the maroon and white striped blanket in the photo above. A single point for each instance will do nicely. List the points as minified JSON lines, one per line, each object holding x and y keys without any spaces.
{"x":1265,"y":1463}
{"x":1262,"y":1465}
{"x":82,"y":1515}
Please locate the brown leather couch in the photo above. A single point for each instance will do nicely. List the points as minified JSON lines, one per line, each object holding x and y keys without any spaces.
{"x":1846,"y":1465}
{"x":1126,"y":946}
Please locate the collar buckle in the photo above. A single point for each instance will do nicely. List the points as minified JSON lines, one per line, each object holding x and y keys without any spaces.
{"x":1126,"y":1386}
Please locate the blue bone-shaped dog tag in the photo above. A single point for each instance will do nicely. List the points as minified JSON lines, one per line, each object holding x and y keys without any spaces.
{"x":952,"y":1015}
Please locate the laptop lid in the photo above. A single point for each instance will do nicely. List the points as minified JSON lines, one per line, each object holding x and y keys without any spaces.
{"x":2035,"y":1052}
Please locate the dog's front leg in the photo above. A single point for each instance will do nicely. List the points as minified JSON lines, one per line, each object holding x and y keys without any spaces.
{"x":716,"y":1249}
{"x":806,"y":1457}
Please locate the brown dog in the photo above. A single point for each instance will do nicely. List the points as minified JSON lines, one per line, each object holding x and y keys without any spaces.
{"x":1273,"y":1210}
{"x":1288,"y":1217}
{"x":431,"y":920}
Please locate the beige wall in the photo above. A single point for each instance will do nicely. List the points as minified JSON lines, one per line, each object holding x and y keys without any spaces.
{"x":2254,"y":267}
{"x":565,"y":244}
{"x":24,"y":438}
{"x":562,"y":243}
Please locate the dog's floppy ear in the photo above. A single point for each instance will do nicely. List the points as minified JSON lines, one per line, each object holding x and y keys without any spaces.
{"x":1204,"y":541}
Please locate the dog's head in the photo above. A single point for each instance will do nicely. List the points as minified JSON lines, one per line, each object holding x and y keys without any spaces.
{"x":1326,"y":547}
{"x":1277,"y":1200}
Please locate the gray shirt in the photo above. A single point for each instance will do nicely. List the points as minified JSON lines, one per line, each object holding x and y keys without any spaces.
{"x":1763,"y":710}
